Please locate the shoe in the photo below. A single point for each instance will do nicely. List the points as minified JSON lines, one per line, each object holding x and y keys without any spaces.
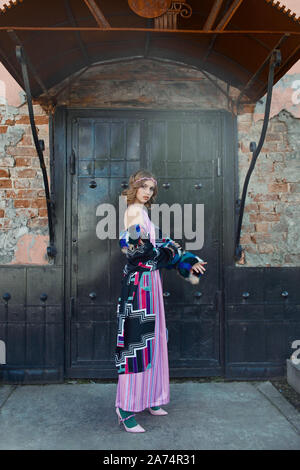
{"x":159,"y":412}
{"x":136,"y":428}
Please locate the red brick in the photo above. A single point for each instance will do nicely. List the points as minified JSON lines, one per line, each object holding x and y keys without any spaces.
{"x":39,"y":120}
{"x":260,"y":237}
{"x":5,"y":183}
{"x":264,"y":217}
{"x":4,"y":174}
{"x":244,"y":148}
{"x":23,"y":161}
{"x":251,"y":207}
{"x":28,"y":173}
{"x":21,"y":151}
{"x":23,"y":120}
{"x":248,"y":108}
{"x":242,"y":127}
{"x":266,"y":197}
{"x":278,"y":187}
{"x":40,"y":203}
{"x":26,"y":140}
{"x":9,"y":122}
{"x":261,"y":227}
{"x":248,"y":228}
{"x":245,"y":238}
{"x":3,"y":129}
{"x":9,"y":194}
{"x":43,"y":213}
{"x":2,"y":213}
{"x":22,"y":203}
{"x":266,"y":207}
{"x":27,"y":194}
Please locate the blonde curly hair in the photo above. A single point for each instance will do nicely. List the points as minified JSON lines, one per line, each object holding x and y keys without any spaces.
{"x":131,"y":191}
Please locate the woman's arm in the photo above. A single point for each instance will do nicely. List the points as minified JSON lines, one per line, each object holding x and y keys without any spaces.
{"x":135,"y":243}
{"x":188,"y":265}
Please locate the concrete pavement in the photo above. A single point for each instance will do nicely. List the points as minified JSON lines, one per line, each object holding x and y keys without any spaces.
{"x":209,"y":415}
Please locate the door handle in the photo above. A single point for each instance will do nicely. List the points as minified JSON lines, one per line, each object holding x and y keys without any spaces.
{"x":92,"y":295}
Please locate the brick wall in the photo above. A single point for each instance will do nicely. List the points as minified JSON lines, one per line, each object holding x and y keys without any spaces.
{"x":270,"y":235}
{"x":23,"y":212}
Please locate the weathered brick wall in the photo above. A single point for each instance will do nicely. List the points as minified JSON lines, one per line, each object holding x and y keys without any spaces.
{"x":271,"y":219}
{"x":146,"y":84}
{"x":23,"y":213}
{"x":270,"y":230}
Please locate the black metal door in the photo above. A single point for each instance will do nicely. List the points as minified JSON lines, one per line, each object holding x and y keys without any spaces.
{"x":184,"y":152}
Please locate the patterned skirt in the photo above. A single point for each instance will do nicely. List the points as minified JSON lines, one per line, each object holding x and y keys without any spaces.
{"x":135,"y":392}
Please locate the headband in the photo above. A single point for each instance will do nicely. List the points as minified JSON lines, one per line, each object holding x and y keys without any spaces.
{"x":147,"y":178}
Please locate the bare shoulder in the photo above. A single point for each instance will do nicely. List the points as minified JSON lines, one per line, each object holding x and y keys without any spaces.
{"x":133,"y":215}
{"x":133,"y":210}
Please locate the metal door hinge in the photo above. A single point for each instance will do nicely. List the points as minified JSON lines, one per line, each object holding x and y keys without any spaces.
{"x":219,"y":300}
{"x":72,"y":305}
{"x":219,"y":166}
{"x":73,"y":162}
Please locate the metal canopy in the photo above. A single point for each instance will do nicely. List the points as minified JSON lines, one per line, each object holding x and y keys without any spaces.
{"x":231,"y":39}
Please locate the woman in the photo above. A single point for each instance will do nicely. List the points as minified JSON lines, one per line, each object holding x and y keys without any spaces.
{"x":141,"y":352}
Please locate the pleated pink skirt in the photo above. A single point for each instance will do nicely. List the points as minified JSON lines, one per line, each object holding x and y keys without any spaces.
{"x":135,"y":392}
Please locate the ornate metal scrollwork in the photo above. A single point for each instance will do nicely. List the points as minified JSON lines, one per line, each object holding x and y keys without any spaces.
{"x":169,"y":19}
{"x":181,"y":8}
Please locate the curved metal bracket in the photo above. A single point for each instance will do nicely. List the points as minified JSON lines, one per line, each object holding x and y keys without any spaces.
{"x":274,"y":62}
{"x":51,"y":250}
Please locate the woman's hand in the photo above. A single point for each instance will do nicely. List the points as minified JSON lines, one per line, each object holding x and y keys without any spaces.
{"x":177,"y":244}
{"x":198,"y":267}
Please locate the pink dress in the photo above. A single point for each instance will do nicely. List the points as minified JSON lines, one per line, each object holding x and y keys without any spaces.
{"x":135,"y":392}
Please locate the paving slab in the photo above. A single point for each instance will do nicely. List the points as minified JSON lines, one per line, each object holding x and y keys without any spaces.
{"x":202,"y":416}
{"x":5,"y":391}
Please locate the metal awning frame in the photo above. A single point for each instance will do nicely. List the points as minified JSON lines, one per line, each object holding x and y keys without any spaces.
{"x":214,"y":25}
{"x":40,"y":147}
{"x":275,"y":61}
{"x":283,"y":35}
